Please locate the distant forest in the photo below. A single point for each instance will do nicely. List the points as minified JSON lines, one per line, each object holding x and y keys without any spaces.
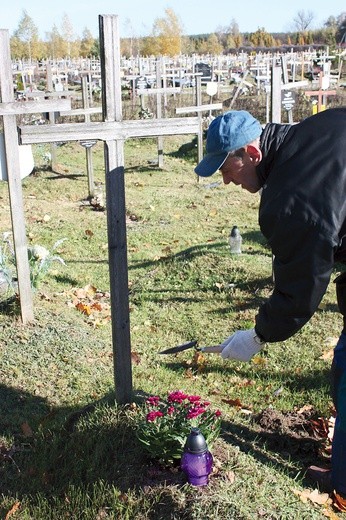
{"x":167,"y":38}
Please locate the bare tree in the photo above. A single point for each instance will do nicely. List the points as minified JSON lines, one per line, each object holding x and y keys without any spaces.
{"x":302,"y":20}
{"x":67,"y":33}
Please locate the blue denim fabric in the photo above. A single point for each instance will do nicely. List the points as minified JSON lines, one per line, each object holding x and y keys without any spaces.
{"x":339,"y":397}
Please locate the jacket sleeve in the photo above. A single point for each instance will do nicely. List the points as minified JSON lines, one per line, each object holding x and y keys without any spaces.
{"x":303,"y":263}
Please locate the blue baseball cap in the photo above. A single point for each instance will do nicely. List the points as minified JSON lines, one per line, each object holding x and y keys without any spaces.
{"x":227,"y":133}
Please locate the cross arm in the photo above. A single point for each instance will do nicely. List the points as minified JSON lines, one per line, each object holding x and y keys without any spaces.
{"x":34,"y":107}
{"x":202,"y":108}
{"x":108,"y":130}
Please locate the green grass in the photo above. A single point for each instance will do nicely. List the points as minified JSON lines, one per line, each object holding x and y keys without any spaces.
{"x":66,"y":449}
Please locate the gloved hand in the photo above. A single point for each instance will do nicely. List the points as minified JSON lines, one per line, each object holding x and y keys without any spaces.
{"x":242,"y":345}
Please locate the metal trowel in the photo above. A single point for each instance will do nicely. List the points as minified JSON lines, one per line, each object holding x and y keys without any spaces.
{"x":192,"y":344}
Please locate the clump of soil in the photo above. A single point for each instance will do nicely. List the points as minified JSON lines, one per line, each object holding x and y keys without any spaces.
{"x":294,"y":424}
{"x":301,"y":433}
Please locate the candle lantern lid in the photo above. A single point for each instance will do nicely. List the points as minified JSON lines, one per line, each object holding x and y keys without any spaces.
{"x":235,"y":231}
{"x":195,"y":442}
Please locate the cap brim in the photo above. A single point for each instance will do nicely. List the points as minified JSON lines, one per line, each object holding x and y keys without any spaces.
{"x":210,"y":164}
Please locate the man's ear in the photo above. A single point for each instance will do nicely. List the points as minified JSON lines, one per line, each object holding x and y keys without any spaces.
{"x":254,"y":153}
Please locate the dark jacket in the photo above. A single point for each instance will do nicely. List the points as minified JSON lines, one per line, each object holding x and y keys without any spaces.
{"x":302,"y":215}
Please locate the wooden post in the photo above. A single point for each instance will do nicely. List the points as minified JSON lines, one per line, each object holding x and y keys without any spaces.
{"x":51,"y":116}
{"x":88,"y":148}
{"x":159,"y":113}
{"x":276,"y":92}
{"x":285,"y":77}
{"x":200,"y":134}
{"x":15,"y":183}
{"x":116,"y":210}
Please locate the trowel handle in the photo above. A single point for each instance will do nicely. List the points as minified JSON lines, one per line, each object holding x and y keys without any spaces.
{"x":215,"y":348}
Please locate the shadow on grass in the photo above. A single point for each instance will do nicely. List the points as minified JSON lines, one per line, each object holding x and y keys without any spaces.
{"x":54,"y":448}
{"x":288,"y":452}
{"x":10,"y":306}
{"x":77,"y":449}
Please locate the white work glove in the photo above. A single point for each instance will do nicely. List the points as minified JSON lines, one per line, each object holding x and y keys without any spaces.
{"x":242,"y":345}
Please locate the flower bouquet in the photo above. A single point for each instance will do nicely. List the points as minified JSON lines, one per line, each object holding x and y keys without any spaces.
{"x":165,"y":425}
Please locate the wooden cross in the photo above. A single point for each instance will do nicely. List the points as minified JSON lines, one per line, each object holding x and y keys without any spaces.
{"x":8,"y":110}
{"x":320,"y":94}
{"x":113,"y":131}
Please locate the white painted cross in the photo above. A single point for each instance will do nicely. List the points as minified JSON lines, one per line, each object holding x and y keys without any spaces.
{"x":113,"y":131}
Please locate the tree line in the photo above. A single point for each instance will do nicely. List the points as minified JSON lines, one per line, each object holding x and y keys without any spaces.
{"x":168,"y":38}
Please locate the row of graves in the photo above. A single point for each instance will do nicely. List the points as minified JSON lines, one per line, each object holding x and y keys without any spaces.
{"x":141,"y":72}
{"x":113,"y":131}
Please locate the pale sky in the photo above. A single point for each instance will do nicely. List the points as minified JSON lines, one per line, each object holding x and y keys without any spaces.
{"x":136,"y":17}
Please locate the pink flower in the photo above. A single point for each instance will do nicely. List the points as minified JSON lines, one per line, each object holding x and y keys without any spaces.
{"x":193,"y":398}
{"x":195,"y":412}
{"x":177,"y":397}
{"x":151,"y":416}
{"x":218,"y":413}
{"x":153,"y":400}
{"x":170,"y":410}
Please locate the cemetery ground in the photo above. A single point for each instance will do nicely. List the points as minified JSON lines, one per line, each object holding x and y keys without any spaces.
{"x":66,"y":449}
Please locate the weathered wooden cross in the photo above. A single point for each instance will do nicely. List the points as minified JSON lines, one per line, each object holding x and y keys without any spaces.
{"x":113,"y":131}
{"x":9,"y":109}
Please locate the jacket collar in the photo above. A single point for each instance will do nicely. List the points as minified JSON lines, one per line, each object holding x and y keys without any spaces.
{"x":271,"y":139}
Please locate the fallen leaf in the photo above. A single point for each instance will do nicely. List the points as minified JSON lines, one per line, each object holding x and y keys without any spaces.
{"x":245,"y":411}
{"x":96,"y":306}
{"x":90,"y":290}
{"x":318,"y":498}
{"x":135,"y":358}
{"x":331,"y":341}
{"x":26,"y":429}
{"x":84,"y":309}
{"x":328,"y":513}
{"x":80,"y":293}
{"x":320,"y":427}
{"x":259,"y":360}
{"x":331,"y":426}
{"x":314,"y":496}
{"x":327,"y":355}
{"x":305,"y":408}
{"x":89,"y":233}
{"x":13,"y":510}
{"x":230,"y":476}
{"x":189,"y":374}
{"x":233,"y":402}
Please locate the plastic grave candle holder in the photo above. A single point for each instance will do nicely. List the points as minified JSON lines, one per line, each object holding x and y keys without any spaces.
{"x":196,"y":461}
